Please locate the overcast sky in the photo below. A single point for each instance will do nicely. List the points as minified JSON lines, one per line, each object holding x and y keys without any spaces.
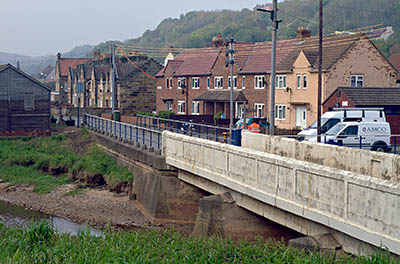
{"x":42,"y":27}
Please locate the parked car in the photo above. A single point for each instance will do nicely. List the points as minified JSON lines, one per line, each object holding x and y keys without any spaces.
{"x":331,"y":118}
{"x":262,"y":121}
{"x":366,"y":135}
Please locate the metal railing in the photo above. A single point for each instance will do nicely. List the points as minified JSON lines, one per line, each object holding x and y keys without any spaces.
{"x":144,"y":136}
{"x":218,"y":134}
{"x":360,"y":142}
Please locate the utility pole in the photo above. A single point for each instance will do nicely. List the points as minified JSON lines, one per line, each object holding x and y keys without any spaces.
{"x":230,"y":59}
{"x":113,"y":79}
{"x":320,"y":71}
{"x":275,"y":26}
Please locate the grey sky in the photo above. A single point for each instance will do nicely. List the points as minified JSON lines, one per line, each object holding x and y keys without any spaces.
{"x":42,"y":27}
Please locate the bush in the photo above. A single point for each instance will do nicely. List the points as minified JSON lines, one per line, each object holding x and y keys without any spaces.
{"x":165,"y":114}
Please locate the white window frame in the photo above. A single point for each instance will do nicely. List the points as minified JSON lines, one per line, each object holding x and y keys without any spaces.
{"x":195,"y":108}
{"x":280,"y":112}
{"x":357,"y":78}
{"x":304,"y":81}
{"x":218,"y":82}
{"x":208,"y":82}
{"x":298,"y":81}
{"x":239,"y":111}
{"x":181,"y":80}
{"x":181,"y":107}
{"x":235,"y":82}
{"x":243,"y":82}
{"x":258,"y":80}
{"x":168,"y":105}
{"x":280,"y":81}
{"x":260,"y":109}
{"x":196,"y":83}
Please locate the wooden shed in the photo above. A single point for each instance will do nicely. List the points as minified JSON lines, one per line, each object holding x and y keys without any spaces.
{"x":24,"y":103}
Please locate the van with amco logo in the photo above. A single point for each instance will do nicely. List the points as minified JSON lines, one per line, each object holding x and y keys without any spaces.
{"x":368,"y":135}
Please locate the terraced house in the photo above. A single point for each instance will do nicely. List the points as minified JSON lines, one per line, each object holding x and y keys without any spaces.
{"x":196,"y":81}
{"x":135,"y":92}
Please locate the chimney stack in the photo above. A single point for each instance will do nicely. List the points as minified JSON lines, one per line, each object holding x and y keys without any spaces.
{"x":217,"y":41}
{"x":303,"y":33}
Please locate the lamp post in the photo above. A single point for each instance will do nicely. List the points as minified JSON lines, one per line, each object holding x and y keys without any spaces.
{"x":275,"y":25}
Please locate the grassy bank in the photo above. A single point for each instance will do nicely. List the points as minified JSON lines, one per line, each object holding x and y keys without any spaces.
{"x":48,"y":162}
{"x":39,"y":244}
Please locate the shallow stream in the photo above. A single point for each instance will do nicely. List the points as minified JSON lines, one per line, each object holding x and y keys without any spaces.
{"x":17,"y":216}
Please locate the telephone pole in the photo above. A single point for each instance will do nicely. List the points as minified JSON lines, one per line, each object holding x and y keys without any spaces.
{"x":320,"y":71}
{"x":275,"y":26}
{"x":113,"y":79}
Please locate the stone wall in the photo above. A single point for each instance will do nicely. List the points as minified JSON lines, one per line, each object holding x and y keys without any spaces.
{"x":355,"y":206}
{"x":377,"y":164}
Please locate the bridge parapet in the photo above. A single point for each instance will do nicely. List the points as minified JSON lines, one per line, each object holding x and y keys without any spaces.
{"x":372,"y":163}
{"x":363,"y":207}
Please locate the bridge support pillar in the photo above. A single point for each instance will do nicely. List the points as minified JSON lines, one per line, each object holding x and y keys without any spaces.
{"x":219,"y":215}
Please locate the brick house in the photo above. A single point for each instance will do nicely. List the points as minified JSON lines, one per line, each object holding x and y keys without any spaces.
{"x":382,"y":97}
{"x":348,"y":60}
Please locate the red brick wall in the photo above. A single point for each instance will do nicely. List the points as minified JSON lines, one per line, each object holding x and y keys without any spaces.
{"x":336,"y":101}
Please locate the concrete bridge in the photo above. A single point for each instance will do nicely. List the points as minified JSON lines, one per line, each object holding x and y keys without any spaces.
{"x":339,"y":197}
{"x":351,"y":195}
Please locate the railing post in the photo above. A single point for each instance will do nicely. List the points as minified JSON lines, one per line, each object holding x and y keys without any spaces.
{"x":216,"y":135}
{"x":207,"y":132}
{"x":130,"y":130}
{"x":137,"y":134}
{"x":151,"y":138}
{"x":143,"y":137}
{"x":360,"y":142}
{"x":120,"y":130}
{"x":158,"y":141}
{"x":125,"y":131}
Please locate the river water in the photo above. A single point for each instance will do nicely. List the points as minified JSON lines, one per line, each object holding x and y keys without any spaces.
{"x":17,"y":216}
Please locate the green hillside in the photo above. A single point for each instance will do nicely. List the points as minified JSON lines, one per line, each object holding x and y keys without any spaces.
{"x":197,"y":28}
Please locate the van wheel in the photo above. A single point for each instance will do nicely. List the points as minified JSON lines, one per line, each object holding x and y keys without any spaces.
{"x":380,"y":149}
{"x":379,"y":146}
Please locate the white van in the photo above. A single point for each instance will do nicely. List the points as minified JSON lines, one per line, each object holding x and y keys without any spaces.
{"x":331,"y":118}
{"x":366,"y":135}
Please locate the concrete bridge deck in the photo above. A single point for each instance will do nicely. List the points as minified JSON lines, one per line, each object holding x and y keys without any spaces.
{"x":315,"y":189}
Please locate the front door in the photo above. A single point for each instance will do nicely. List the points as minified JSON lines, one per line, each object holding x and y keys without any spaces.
{"x":301,"y":116}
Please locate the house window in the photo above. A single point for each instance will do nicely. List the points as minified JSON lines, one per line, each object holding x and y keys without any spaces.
{"x":243,"y":82}
{"x":259,"y":82}
{"x":195,"y":107}
{"x":234,"y":82}
{"x":29,"y":101}
{"x":298,"y":81}
{"x":195,"y":82}
{"x":259,"y":110}
{"x":208,"y":82}
{"x":181,"y":107}
{"x":170,"y":83}
{"x":181,"y":83}
{"x":280,"y":82}
{"x":304,"y":81}
{"x":167,"y":83}
{"x":218,"y":82}
{"x":168,"y":105}
{"x":66,"y":87}
{"x":280,"y":112}
{"x":356,"y":80}
{"x":239,"y":110}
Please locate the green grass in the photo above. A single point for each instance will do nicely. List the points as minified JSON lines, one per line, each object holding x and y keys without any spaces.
{"x":76,"y":191}
{"x":42,"y":183}
{"x":31,"y":160}
{"x":37,"y":245}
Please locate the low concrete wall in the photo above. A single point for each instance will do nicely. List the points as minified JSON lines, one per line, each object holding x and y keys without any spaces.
{"x":364,"y":207}
{"x":377,"y":164}
{"x":160,"y":195}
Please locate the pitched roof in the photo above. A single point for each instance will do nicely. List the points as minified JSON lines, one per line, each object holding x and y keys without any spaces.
{"x":222,"y":96}
{"x":195,"y":61}
{"x":395,"y":61}
{"x":371,"y":96}
{"x":66,"y":63}
{"x":6,"y":66}
{"x":333,"y":49}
